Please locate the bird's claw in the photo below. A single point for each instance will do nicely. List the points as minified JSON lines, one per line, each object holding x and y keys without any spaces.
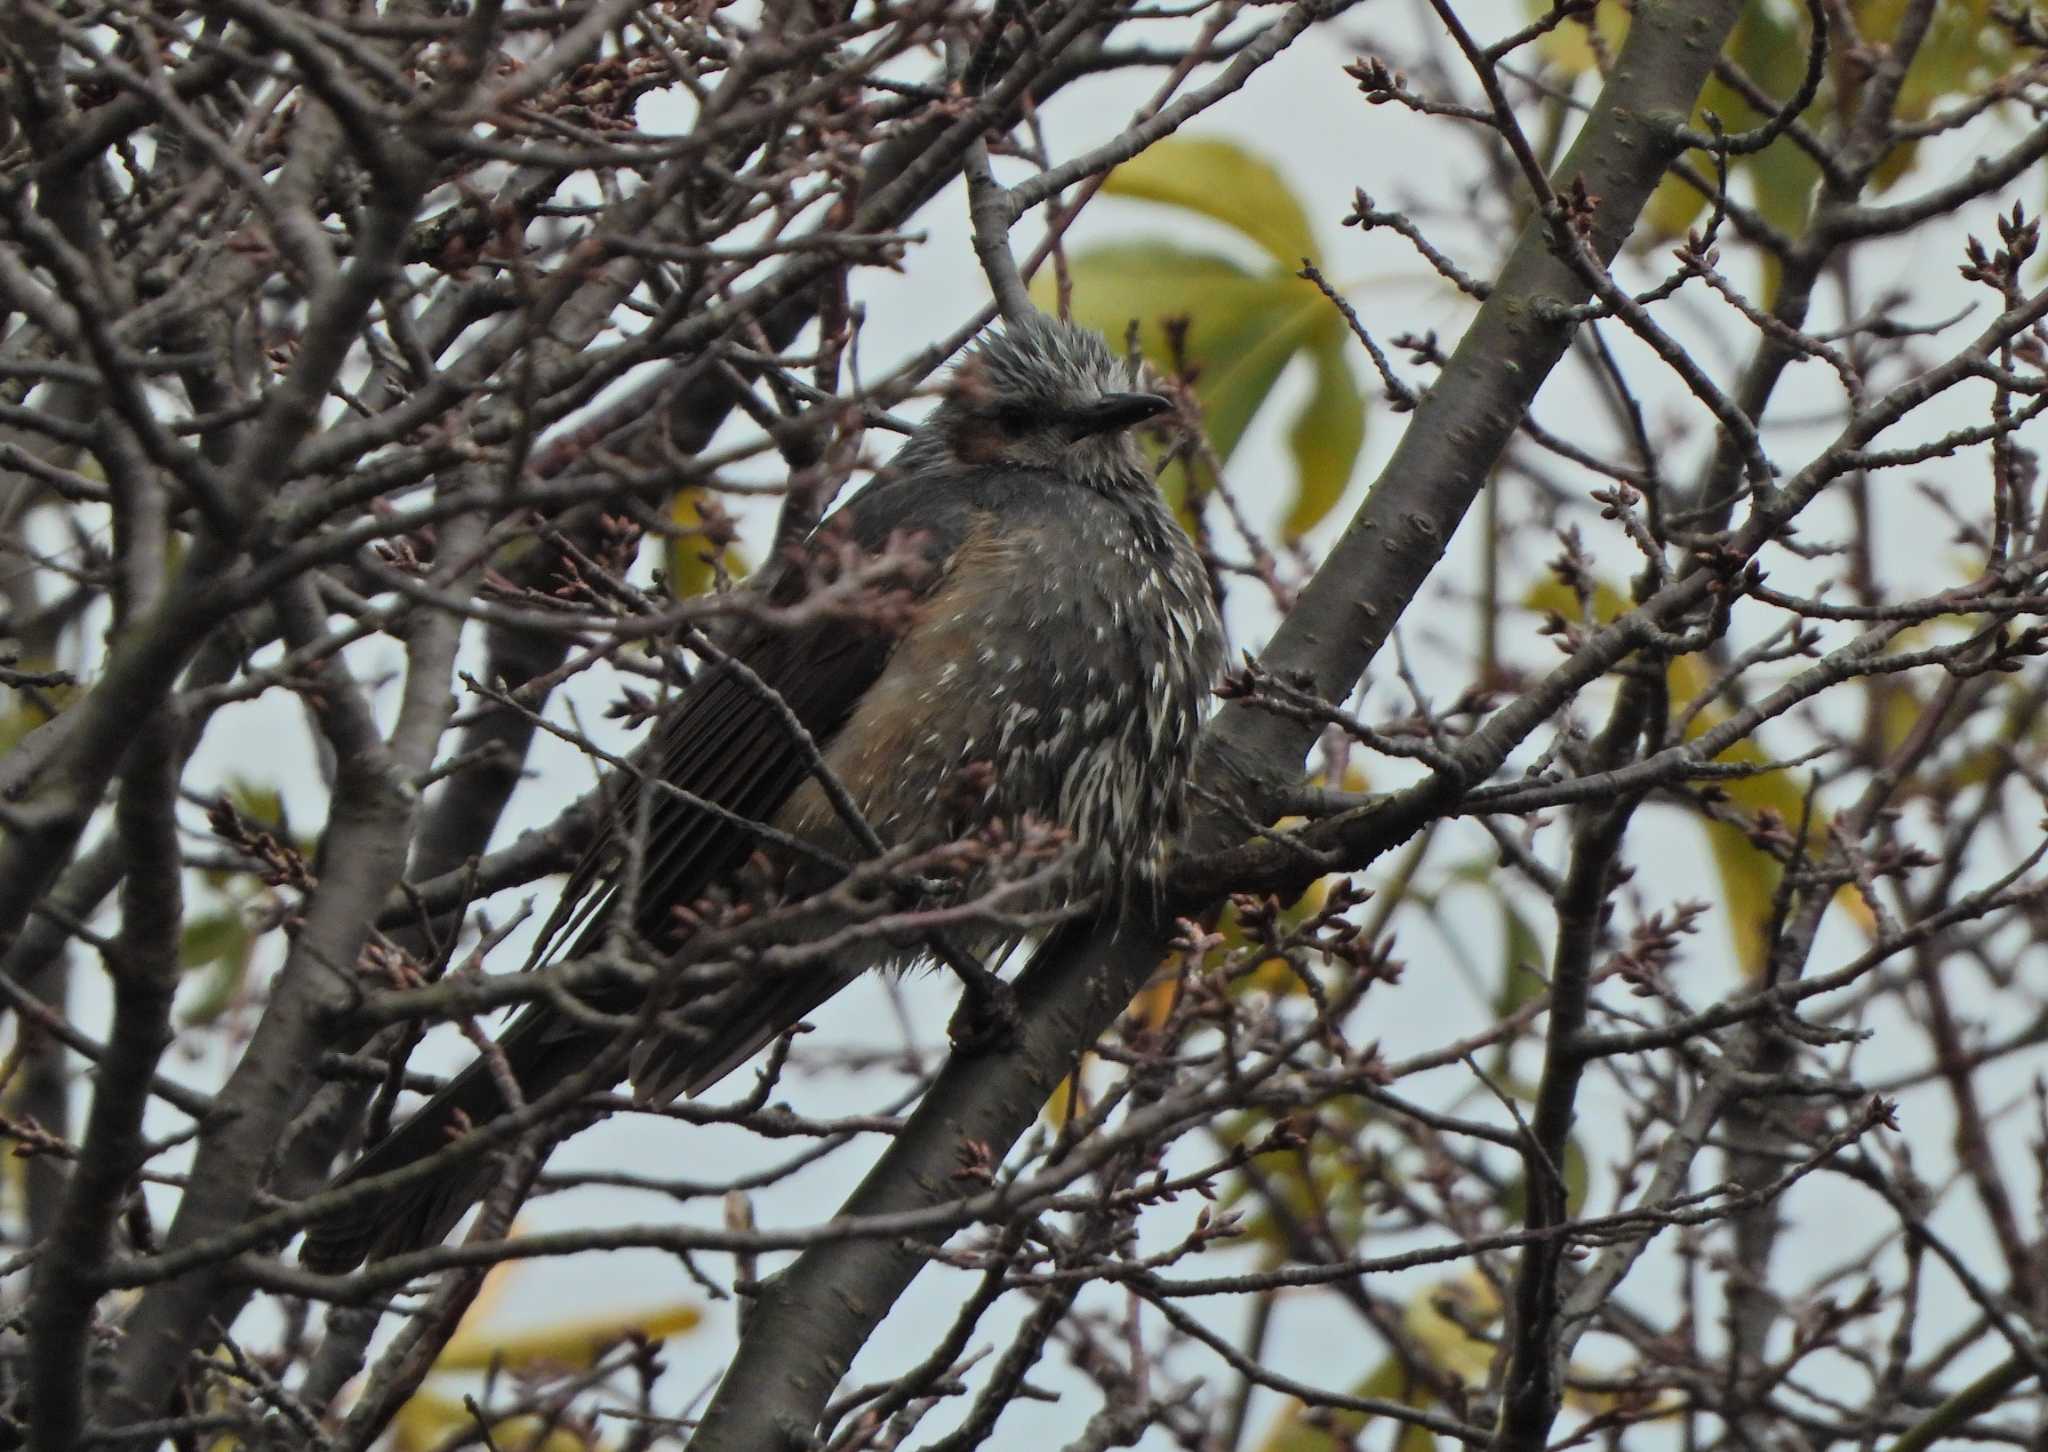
{"x":987,"y":1019}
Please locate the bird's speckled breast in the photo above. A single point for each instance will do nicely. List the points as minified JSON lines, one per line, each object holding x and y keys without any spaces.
{"x":1071,"y":649}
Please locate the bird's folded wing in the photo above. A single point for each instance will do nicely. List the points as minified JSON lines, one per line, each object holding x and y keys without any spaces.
{"x":727,"y":743}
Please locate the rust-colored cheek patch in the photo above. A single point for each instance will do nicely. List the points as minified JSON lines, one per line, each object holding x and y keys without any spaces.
{"x":977,"y":443}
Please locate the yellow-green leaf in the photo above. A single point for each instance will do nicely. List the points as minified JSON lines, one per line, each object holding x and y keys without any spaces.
{"x":1243,"y":330}
{"x":1326,"y":437}
{"x":1771,"y":48}
{"x":16,"y":724}
{"x":570,"y":1344}
{"x":219,"y":942}
{"x":258,"y":801}
{"x":1749,"y":874}
{"x":1569,"y":46}
{"x":1522,"y":952}
{"x":1449,"y":1321}
{"x":1388,"y":1382}
{"x":429,"y":1420}
{"x":1274,"y":975}
{"x":1242,"y":326}
{"x":690,"y":569}
{"x":1318,"y":1183}
{"x":1221,"y":180}
{"x":1514,"y":1200}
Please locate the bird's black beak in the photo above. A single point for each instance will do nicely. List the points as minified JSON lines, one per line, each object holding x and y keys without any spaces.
{"x":1114,"y":411}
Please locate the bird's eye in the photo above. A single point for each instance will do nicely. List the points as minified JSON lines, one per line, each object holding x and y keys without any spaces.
{"x":1013,"y":418}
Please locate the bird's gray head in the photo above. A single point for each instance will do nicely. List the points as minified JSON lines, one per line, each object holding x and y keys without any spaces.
{"x":1041,"y":394}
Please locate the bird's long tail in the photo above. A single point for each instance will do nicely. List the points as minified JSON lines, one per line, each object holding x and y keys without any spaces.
{"x":543,"y":1048}
{"x":542,"y":1052}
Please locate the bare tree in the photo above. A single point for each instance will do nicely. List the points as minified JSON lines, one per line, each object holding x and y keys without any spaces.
{"x":431,"y":374}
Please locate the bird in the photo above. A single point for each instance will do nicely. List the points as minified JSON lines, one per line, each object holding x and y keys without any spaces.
{"x":1047,"y":665}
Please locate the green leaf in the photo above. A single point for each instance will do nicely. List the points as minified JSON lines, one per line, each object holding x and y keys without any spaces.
{"x":1522,"y":953}
{"x":1962,"y":55}
{"x":1244,"y":326}
{"x":218,"y":942}
{"x":1327,"y":435}
{"x":1771,"y":48}
{"x":1514,"y":1200}
{"x":1569,"y":46}
{"x":1749,"y":874}
{"x":566,"y":1344}
{"x":691,"y":570}
{"x":1243,"y":330}
{"x":1317,"y":1183}
{"x":16,"y":724}
{"x":1221,"y":180}
{"x":210,"y":937}
{"x":258,"y":801}
{"x":1388,"y":1382}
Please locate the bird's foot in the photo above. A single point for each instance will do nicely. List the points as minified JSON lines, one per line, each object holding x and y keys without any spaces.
{"x":987,"y":1019}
